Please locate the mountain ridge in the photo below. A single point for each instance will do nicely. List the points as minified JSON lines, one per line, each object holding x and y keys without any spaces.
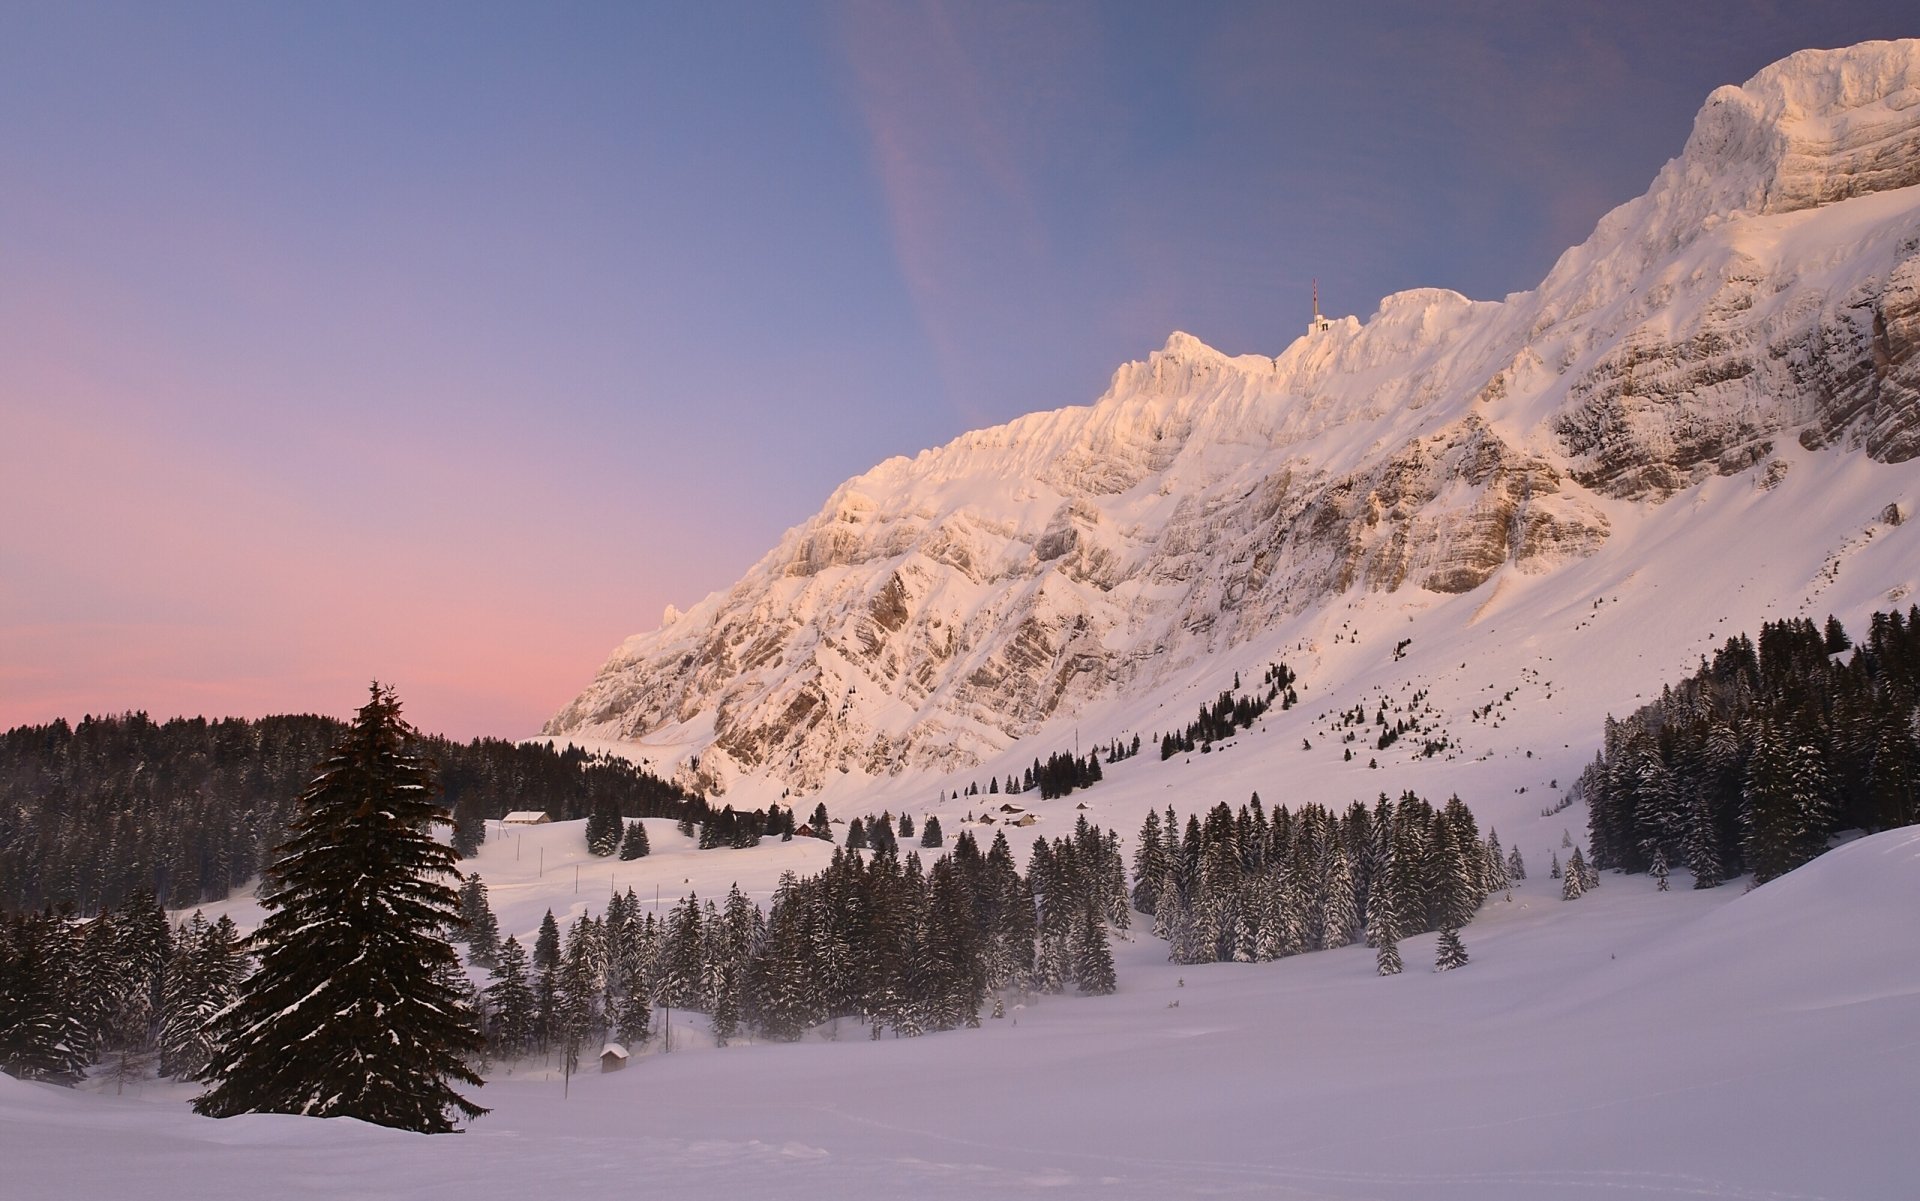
{"x":939,"y":608}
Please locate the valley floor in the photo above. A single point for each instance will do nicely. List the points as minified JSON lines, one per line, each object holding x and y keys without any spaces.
{"x":1632,"y":1043}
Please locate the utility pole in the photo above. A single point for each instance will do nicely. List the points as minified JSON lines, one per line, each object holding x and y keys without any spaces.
{"x":576,"y":879}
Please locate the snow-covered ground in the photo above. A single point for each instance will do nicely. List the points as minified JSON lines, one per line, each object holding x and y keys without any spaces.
{"x":1757,"y":1046}
{"x":1687,"y":1044}
{"x":1713,"y":1044}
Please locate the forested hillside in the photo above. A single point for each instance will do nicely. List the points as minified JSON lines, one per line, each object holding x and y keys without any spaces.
{"x":187,"y":809}
{"x":1756,"y":760}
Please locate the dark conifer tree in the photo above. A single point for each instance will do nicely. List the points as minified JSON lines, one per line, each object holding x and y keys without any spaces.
{"x":930,"y":834}
{"x":603,"y":827}
{"x":634,"y":1023}
{"x":546,"y":944}
{"x":43,"y":1033}
{"x":634,"y":845}
{"x":1387,"y":958}
{"x":511,"y":996}
{"x":203,"y":981}
{"x":1093,"y":957}
{"x":348,"y":1014}
{"x":1451,"y":953}
{"x":1700,"y":845}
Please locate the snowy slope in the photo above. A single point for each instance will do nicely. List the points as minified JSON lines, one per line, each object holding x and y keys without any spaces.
{"x":1751,"y":322}
{"x":1630,"y":1043}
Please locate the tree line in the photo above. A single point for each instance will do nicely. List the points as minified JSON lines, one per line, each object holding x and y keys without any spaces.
{"x":121,"y":989}
{"x":1251,"y":886}
{"x":189,"y":809}
{"x":1754,"y":762}
{"x":881,"y":939}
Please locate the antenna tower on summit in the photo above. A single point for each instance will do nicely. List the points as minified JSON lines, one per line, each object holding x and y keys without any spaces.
{"x":1319,"y":322}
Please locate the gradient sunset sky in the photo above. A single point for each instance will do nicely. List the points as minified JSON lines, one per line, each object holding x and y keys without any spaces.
{"x":448,"y":343}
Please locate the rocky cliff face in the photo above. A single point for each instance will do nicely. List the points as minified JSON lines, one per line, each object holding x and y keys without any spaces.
{"x":1767,"y":286}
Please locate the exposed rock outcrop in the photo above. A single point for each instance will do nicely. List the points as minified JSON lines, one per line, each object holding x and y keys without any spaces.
{"x":1765,"y":289}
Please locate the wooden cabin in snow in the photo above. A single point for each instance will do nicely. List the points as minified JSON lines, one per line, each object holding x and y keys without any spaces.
{"x":526,"y":817}
{"x":613,"y":1057}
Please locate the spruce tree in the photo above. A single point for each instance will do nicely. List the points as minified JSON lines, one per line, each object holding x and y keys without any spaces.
{"x":1387,"y":958}
{"x":1451,"y":953}
{"x":930,"y":834}
{"x":43,"y":1034}
{"x":1658,"y":869}
{"x":349,"y":1014}
{"x":202,"y":981}
{"x":634,"y":845}
{"x":634,"y":1022}
{"x":1701,"y":845}
{"x":1093,"y":957}
{"x":511,"y":996}
{"x":604,"y":827}
{"x":546,"y":944}
{"x":1337,"y":913}
{"x":1574,"y":880}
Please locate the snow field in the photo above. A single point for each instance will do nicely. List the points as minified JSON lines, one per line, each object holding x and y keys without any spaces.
{"x":1688,"y":1044}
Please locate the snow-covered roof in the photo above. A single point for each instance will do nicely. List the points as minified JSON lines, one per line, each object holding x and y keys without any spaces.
{"x":614,"y":1049}
{"x":527,"y":817}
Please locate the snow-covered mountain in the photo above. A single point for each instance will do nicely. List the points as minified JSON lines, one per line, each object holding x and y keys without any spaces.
{"x":1755,"y":314}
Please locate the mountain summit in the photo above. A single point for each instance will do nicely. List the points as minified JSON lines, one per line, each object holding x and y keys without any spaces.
{"x":1758,"y":305}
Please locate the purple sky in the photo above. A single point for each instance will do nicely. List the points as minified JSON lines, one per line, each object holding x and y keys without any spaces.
{"x":448,"y":343}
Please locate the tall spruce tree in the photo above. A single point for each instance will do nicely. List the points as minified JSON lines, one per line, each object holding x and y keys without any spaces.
{"x":349,"y":1014}
{"x":43,"y":1032}
{"x":604,"y":828}
{"x":634,"y":844}
{"x":511,"y":995}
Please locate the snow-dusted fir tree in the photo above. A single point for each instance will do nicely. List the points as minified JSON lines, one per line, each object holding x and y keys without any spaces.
{"x":1451,"y":953}
{"x":1701,"y":845}
{"x":203,"y":979}
{"x":43,"y":1034}
{"x":1658,"y":868}
{"x":1093,"y":957}
{"x":604,"y":828}
{"x":1387,"y":958}
{"x":348,"y":1014}
{"x":1497,"y":877}
{"x":1338,"y":914}
{"x":1383,"y":929}
{"x":1573,"y":883}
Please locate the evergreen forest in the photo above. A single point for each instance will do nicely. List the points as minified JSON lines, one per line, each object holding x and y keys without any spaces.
{"x":1757,"y":759}
{"x":96,"y":813}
